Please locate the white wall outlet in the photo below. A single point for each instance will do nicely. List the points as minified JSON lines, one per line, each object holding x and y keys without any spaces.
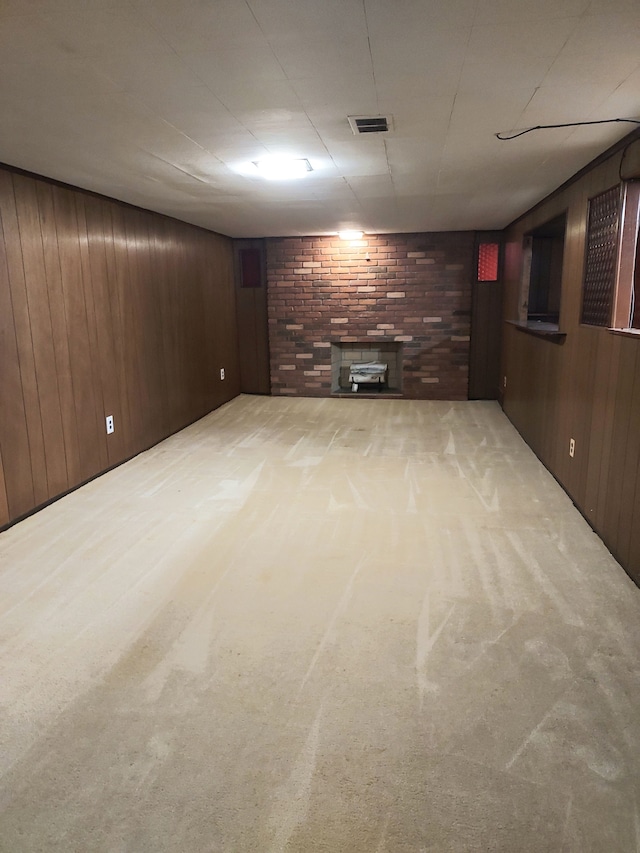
{"x":110,"y":427}
{"x":572,"y":447}
{"x":504,"y":382}
{"x":222,"y":373}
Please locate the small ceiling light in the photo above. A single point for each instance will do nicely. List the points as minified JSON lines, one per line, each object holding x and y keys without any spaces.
{"x":351,"y":235}
{"x":282,"y":168}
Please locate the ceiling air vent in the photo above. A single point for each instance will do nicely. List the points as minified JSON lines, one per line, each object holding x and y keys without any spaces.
{"x":370,"y":124}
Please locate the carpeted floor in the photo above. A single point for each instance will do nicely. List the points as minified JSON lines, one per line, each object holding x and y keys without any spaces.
{"x":357,"y":626}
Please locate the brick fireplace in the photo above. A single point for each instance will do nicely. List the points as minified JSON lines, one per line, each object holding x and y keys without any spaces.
{"x":405,"y":292}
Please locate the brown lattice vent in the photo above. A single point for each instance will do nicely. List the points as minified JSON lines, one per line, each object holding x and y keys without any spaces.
{"x":602,"y":253}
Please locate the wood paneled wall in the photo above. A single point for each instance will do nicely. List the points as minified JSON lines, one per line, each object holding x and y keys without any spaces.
{"x":105,"y":309}
{"x":586,"y":388}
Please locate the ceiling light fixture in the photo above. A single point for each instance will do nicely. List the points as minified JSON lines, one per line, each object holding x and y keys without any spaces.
{"x":351,"y":235}
{"x":282,"y":168}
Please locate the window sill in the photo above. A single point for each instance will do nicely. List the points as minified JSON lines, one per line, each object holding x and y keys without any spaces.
{"x":548,"y":331}
{"x":627,"y":333}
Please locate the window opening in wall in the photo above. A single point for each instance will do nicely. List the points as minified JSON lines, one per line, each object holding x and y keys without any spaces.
{"x":542,"y":271}
{"x":601,"y":263}
{"x":488,"y":254}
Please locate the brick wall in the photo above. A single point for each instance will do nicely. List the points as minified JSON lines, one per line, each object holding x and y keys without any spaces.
{"x":414,"y":289}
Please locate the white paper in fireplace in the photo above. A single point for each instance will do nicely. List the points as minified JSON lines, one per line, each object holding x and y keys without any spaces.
{"x":361,"y":372}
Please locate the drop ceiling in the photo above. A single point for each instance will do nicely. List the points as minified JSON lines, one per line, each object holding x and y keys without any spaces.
{"x":166,"y":103}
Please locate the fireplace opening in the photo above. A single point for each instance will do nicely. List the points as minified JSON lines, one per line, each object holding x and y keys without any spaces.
{"x":363,"y":367}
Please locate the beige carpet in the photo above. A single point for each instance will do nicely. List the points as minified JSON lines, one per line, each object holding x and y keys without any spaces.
{"x":359,"y":626}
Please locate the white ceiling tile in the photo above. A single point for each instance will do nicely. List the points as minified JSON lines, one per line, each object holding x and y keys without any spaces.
{"x":484,"y":118}
{"x":432,"y":56}
{"x":162,"y":81}
{"x":609,"y":7}
{"x":343,"y":19}
{"x":604,"y":34}
{"x":235,"y":67}
{"x":18,"y":8}
{"x":197,"y":113}
{"x":25,"y":38}
{"x":404,"y":19}
{"x":516,"y":11}
{"x":624,"y":102}
{"x":359,"y":156}
{"x":376,"y":187}
{"x":114,"y":36}
{"x":72,"y":82}
{"x":261,"y":96}
{"x":484,"y":80}
{"x":306,"y":56}
{"x":572,"y":103}
{"x":572,"y":69}
{"x":412,"y":94}
{"x":519,"y":41}
{"x":414,"y":158}
{"x":193,"y":25}
{"x":336,"y":95}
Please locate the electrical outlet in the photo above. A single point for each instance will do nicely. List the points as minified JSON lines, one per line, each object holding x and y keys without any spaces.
{"x":572,"y":447}
{"x":504,"y":382}
{"x":222,"y":373}
{"x":110,"y":427}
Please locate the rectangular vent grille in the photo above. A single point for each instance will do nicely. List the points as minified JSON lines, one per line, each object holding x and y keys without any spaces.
{"x":488,"y":261}
{"x":369,"y":124}
{"x":602,"y":253}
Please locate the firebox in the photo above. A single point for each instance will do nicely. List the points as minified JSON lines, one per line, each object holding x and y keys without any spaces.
{"x":363,"y":366}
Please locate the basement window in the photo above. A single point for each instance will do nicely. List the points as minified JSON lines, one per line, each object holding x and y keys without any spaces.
{"x":542,"y":272}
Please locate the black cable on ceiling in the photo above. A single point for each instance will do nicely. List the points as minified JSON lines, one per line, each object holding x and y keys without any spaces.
{"x":503,"y":138}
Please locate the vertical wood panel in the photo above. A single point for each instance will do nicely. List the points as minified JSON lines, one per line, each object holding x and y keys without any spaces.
{"x":595,"y":488}
{"x":36,"y":457}
{"x":629,"y":476}
{"x":129,"y":340}
{"x":139,"y":330}
{"x":60,"y":332}
{"x":619,"y":435}
{"x":633,"y":561}
{"x":153,"y":318}
{"x":484,"y":352}
{"x":104,"y":357}
{"x":167,"y":255}
{"x":41,"y":334}
{"x":4,"y":500}
{"x":80,"y":354}
{"x":163,"y":323}
{"x":604,"y":463}
{"x":14,"y":443}
{"x":95,"y":423}
{"x":116,"y":399}
{"x":252,"y":319}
